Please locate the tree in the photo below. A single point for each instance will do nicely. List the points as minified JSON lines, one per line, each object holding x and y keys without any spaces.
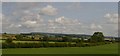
{"x":4,"y":33}
{"x":9,"y":40}
{"x":77,"y":40}
{"x":67,"y":39}
{"x":45,"y":38}
{"x":19,"y":37}
{"x":97,"y":37}
{"x":82,"y":40}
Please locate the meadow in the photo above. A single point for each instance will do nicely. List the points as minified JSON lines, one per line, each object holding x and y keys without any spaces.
{"x":102,"y":49}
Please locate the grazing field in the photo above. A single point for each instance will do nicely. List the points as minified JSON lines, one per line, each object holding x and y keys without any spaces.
{"x":102,"y":49}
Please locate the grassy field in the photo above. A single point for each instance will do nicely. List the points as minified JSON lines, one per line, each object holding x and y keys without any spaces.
{"x":103,"y":49}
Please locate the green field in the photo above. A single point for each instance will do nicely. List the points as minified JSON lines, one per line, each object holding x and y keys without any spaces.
{"x":103,"y":49}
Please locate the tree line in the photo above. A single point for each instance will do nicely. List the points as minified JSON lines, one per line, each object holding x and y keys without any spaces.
{"x":96,"y":39}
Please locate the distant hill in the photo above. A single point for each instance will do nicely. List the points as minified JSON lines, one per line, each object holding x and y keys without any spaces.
{"x":62,"y":34}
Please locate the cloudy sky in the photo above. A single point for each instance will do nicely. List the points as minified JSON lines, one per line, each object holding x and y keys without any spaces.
{"x":60,"y":17}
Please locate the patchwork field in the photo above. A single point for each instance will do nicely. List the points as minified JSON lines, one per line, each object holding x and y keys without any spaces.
{"x":102,"y":49}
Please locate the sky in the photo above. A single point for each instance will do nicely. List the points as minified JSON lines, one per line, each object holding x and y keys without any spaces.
{"x":60,"y":17}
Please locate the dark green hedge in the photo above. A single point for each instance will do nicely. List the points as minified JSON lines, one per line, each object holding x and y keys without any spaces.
{"x":46,"y":44}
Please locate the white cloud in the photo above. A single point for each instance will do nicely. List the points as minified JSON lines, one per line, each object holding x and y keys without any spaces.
{"x":32,"y":21}
{"x":19,"y":25}
{"x":67,"y":21}
{"x":100,"y":27}
{"x":64,"y":25}
{"x":26,"y":11}
{"x":22,"y":13}
{"x":49,"y":10}
{"x":94,"y":26}
{"x":51,"y":22}
{"x":60,"y":20}
{"x":12,"y":26}
{"x":108,"y":15}
{"x":112,"y":18}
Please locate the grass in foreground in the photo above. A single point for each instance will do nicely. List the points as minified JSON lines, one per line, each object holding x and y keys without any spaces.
{"x":102,"y":49}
